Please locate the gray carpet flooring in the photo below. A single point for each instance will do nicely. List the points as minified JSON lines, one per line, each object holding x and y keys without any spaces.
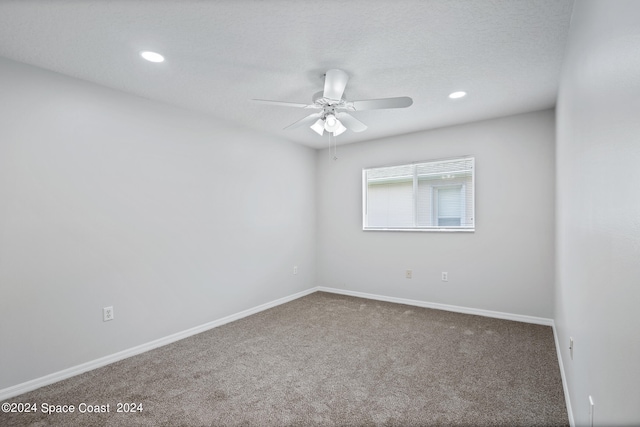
{"x":327,"y":360}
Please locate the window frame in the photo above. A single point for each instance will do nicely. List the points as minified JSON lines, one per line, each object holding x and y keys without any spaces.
{"x":430,"y":228}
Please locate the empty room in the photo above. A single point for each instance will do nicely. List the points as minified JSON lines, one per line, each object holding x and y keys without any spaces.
{"x":303,"y":213}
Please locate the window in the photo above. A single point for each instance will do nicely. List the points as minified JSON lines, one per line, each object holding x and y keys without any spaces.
{"x":428,"y":196}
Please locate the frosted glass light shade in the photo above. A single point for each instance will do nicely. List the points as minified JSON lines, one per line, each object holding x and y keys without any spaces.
{"x":318,"y":127}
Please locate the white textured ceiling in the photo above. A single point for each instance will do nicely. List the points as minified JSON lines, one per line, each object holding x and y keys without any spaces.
{"x":506,"y":54}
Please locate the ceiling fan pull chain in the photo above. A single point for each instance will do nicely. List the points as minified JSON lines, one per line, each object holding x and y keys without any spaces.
{"x":335,"y":147}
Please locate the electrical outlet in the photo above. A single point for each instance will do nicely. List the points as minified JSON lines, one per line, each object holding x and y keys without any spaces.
{"x":445,"y":276}
{"x":295,"y":269}
{"x":107,"y":314}
{"x":409,"y":274}
{"x":571,"y":347}
{"x":591,"y":408}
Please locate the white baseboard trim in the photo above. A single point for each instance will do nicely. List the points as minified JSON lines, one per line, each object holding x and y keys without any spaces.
{"x":565,"y":387}
{"x":445,"y":307}
{"x":25,"y":387}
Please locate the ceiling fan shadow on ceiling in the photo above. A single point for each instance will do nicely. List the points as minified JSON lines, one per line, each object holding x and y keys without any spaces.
{"x":332,"y":115}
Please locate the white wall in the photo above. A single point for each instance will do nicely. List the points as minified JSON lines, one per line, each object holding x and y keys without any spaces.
{"x":598,"y":212}
{"x":106,"y":199}
{"x":507,"y":265}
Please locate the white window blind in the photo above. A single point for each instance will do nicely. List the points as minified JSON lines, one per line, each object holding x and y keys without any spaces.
{"x":433,"y":195}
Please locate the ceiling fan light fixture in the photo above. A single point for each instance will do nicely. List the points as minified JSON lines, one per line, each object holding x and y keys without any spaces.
{"x":331,"y":124}
{"x":318,"y":127}
{"x":340,"y":129}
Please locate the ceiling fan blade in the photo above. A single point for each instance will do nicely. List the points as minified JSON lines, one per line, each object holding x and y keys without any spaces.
{"x":379,"y":104}
{"x":284,"y":104}
{"x":304,"y":121}
{"x":351,"y":122}
{"x":334,"y":83}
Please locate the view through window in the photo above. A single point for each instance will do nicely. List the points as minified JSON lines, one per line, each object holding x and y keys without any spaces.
{"x":434,"y":195}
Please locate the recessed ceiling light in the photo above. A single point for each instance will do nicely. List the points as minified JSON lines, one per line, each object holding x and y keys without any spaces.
{"x":455,"y":95}
{"x":152,"y":56}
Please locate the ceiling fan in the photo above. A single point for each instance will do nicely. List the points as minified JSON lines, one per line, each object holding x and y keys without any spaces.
{"x":333,"y":116}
